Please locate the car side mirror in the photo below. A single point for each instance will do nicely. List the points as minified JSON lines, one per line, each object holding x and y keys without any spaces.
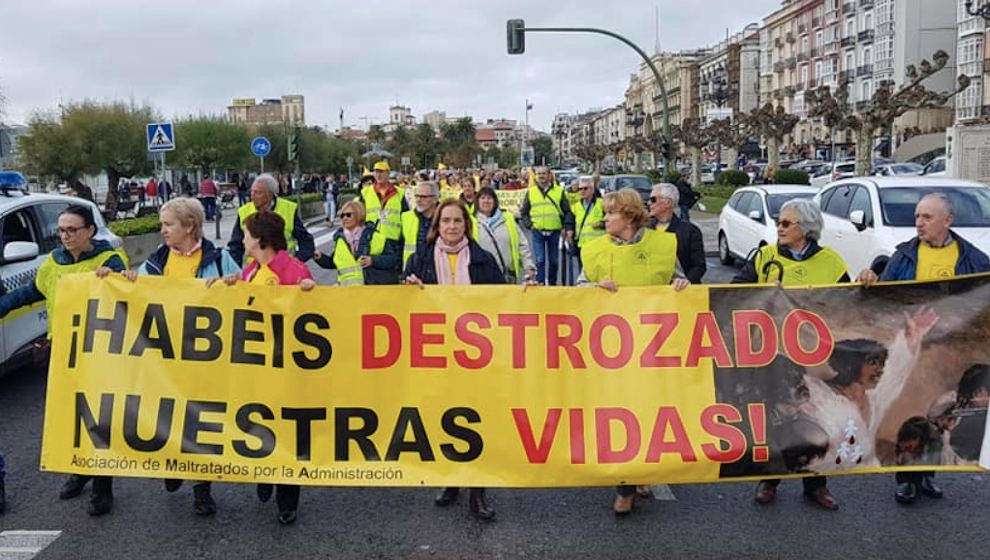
{"x":858,"y":219}
{"x":17,"y":251}
{"x":756,"y":215}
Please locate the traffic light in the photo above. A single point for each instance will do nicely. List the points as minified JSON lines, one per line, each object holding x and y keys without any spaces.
{"x":516,"y":36}
{"x":293,"y":144}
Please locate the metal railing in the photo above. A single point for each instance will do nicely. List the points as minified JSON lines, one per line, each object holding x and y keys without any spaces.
{"x":864,"y":70}
{"x":865,"y":35}
{"x":848,"y":41}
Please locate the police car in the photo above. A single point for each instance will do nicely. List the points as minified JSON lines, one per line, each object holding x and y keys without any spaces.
{"x":29,"y":226}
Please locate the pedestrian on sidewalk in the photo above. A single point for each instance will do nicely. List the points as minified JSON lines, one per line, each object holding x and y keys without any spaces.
{"x":208,"y":193}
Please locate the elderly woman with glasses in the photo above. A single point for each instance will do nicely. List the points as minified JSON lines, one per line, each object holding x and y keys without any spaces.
{"x":360,"y":252}
{"x":796,"y":260}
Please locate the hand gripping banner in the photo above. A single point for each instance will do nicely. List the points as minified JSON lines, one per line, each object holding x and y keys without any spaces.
{"x":490,"y":386}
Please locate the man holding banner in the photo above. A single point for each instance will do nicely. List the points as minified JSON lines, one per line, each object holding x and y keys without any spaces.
{"x":935,"y":253}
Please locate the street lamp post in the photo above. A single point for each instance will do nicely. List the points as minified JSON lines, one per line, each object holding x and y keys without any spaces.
{"x":516,"y":30}
{"x":719,"y":94}
{"x":983,"y":10}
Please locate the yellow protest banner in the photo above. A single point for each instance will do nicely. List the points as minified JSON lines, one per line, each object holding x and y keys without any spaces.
{"x":490,"y":386}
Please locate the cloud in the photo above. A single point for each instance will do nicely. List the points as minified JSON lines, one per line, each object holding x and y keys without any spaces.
{"x":190,"y":57}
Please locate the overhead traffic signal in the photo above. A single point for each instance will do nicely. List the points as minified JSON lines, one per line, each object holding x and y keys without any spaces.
{"x":293,"y":144}
{"x":516,"y":36}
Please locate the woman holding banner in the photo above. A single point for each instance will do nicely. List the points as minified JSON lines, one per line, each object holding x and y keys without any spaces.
{"x":361,"y":254}
{"x":498,"y":233}
{"x":79,"y":252}
{"x":186,"y":254}
{"x":796,"y":260}
{"x":631,"y":254}
{"x":272,"y":265}
{"x":450,"y":256}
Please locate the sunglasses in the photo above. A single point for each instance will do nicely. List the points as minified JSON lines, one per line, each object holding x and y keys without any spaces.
{"x":346,"y":214}
{"x":586,"y":188}
{"x":655,"y":199}
{"x":425,"y":196}
{"x":785,"y":223}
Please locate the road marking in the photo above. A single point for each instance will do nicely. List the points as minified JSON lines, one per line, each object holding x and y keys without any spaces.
{"x":663,"y":492}
{"x":24,"y":545}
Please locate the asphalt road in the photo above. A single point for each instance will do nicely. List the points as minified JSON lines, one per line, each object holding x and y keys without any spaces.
{"x":697,"y":521}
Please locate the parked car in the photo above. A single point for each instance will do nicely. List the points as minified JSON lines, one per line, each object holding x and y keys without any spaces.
{"x":906,"y":169}
{"x":29,"y":225}
{"x":833,"y":172}
{"x":641,"y":183}
{"x":867,"y":217}
{"x":749,"y":219}
{"x":935,"y":168}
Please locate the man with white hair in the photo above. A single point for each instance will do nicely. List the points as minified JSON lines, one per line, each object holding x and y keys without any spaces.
{"x":416,"y":222}
{"x":936,"y":253}
{"x":690,"y":243}
{"x":264,"y":192}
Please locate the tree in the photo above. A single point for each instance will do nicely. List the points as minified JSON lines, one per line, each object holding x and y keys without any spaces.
{"x":96,"y":137}
{"x":732,"y":135}
{"x":460,"y":146}
{"x":592,"y":153}
{"x":376,"y":134}
{"x":542,"y":150}
{"x":773,"y":124}
{"x":695,"y":135}
{"x":886,"y":106}
{"x":210,"y":142}
{"x":426,"y":146}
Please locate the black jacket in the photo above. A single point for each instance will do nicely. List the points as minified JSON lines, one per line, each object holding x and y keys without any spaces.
{"x":384,"y":268}
{"x":482,"y":270}
{"x":690,"y":247}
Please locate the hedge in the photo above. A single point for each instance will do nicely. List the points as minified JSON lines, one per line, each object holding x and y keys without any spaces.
{"x":716,"y":191}
{"x":732,"y":177}
{"x":135,"y":226}
{"x":791,"y":177}
{"x":672,"y":176}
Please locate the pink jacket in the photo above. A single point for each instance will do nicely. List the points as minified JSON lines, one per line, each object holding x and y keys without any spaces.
{"x":290,"y":270}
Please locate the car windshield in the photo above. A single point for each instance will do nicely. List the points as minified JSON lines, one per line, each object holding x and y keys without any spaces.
{"x":906,"y":168}
{"x":845,"y":168}
{"x":639,"y":182}
{"x":972,"y":205}
{"x":775,"y":201}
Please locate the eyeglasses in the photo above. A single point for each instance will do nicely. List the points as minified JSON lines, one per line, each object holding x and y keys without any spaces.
{"x":346,"y":214}
{"x":655,"y":199}
{"x":425,"y":196}
{"x":69,"y":230}
{"x":586,"y":188}
{"x":785,"y":223}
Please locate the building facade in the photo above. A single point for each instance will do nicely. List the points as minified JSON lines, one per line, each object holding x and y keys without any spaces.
{"x":289,"y":109}
{"x":973,"y":60}
{"x":729,"y":77}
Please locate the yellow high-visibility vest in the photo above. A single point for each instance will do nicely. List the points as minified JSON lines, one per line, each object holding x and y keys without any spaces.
{"x":50,"y":271}
{"x":284,"y":208}
{"x":544,"y":210}
{"x":389,"y":218}
{"x":649,"y":262}
{"x":824,"y":267}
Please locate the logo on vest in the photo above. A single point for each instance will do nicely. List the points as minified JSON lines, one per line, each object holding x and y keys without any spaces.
{"x":800,"y":272}
{"x":641,"y":256}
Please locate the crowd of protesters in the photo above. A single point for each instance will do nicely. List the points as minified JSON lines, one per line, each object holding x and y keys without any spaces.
{"x":389,"y":236}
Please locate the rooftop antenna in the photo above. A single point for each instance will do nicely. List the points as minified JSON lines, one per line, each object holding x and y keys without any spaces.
{"x":656,"y":21}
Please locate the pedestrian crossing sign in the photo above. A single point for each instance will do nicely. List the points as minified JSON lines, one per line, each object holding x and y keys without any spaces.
{"x":160,"y":137}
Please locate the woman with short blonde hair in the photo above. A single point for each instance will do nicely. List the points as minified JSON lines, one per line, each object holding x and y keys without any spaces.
{"x":356,"y":207}
{"x":188,"y":211}
{"x":628,"y":203}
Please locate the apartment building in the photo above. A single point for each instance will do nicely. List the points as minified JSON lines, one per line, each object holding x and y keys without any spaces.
{"x":973,"y":60}
{"x":729,"y":81}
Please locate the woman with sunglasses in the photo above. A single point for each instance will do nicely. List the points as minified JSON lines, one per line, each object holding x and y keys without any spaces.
{"x":79,"y":252}
{"x":796,"y":260}
{"x":630,"y":254}
{"x":361,"y":254}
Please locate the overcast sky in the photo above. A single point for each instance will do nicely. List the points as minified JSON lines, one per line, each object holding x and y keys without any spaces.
{"x":192,"y":57}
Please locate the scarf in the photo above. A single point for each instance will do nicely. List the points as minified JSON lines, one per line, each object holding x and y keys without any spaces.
{"x":353,"y":237}
{"x":442,"y":262}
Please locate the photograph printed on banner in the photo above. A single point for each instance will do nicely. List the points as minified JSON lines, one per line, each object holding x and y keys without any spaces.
{"x":907,"y":381}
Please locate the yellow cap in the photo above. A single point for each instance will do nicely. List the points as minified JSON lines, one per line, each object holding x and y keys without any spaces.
{"x":382,"y":166}
{"x":441,"y":167}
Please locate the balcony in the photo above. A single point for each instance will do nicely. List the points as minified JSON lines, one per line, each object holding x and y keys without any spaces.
{"x":791,"y":62}
{"x":864,"y":70}
{"x":848,"y":41}
{"x":831,"y":16}
{"x":802,"y":57}
{"x":778,"y":66}
{"x":848,"y":75}
{"x":865,"y":4}
{"x":831,"y":47}
{"x":865,"y":35}
{"x":863,"y":105}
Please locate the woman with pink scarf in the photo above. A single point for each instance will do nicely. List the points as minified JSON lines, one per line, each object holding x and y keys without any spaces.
{"x":451,"y":256}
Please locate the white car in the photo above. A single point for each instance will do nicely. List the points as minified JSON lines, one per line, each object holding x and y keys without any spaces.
{"x":935,"y":168}
{"x":833,"y":172}
{"x":749,"y":219}
{"x":906,"y":169}
{"x":867,"y":217}
{"x":29,"y":224}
